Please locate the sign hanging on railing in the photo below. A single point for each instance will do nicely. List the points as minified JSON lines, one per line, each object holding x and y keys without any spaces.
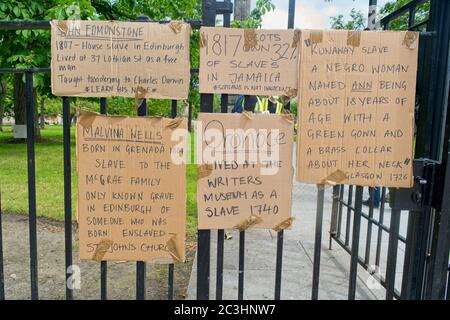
{"x":248,"y":61}
{"x":356,"y":107}
{"x":244,"y":171}
{"x":112,"y":58}
{"x":131,"y":188}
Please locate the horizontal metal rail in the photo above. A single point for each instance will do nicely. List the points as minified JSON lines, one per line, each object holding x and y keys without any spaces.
{"x":361,"y":262}
{"x":37,"y":70}
{"x":374,"y":221}
{"x":45,"y":24}
{"x":401,"y":11}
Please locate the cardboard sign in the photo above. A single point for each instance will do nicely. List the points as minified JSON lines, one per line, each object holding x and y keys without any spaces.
{"x":131,"y":194}
{"x":244,"y":171}
{"x":112,"y":58}
{"x":248,"y":61}
{"x":356,"y":107}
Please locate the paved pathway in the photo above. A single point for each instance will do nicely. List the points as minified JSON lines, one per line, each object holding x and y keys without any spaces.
{"x":260,"y":256}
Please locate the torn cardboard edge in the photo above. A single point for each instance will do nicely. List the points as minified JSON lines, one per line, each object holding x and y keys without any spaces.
{"x":250,"y":40}
{"x":204,"y":170}
{"x":102,"y":247}
{"x":334,"y":178}
{"x":249,"y":222}
{"x":284,"y":224}
{"x":172,"y":248}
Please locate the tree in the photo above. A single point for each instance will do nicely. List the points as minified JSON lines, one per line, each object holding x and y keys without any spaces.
{"x":254,"y":20}
{"x":356,"y":21}
{"x":30,"y":48}
{"x":401,"y":23}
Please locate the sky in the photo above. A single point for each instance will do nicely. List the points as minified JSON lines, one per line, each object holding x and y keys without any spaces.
{"x":312,"y":14}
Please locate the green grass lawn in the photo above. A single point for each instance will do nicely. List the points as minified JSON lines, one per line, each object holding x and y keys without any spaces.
{"x":50,"y":177}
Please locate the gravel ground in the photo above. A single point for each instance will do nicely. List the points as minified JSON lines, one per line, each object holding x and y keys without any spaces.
{"x":51,"y":265}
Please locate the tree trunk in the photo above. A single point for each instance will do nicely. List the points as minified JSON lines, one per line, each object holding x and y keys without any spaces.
{"x":20,"y":104}
{"x":2,"y":102}
{"x":190,"y":118}
{"x":241,"y":9}
{"x":20,"y":114}
{"x":42,"y":120}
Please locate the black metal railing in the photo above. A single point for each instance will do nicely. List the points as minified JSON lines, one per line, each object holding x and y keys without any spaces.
{"x":225,"y":8}
{"x":347,"y":201}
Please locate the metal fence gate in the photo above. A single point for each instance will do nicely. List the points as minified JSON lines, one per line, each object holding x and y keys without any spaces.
{"x":427,"y":241}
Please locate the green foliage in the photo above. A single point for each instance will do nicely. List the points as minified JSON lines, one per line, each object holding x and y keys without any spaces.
{"x":355,"y":22}
{"x":31,"y":48}
{"x":254,"y":20}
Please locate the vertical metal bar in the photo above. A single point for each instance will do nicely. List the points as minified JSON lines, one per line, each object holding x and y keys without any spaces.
{"x":415,"y":253}
{"x":340,"y":216}
{"x":219,"y":269}
{"x":31,"y":185}
{"x":318,"y":242}
{"x":174,"y":109}
{"x":103,"y":106}
{"x":380,"y":229}
{"x":2,"y":275}
{"x":291,"y":19}
{"x":355,"y":243}
{"x":221,"y":232}
{"x":291,"y":14}
{"x":224,"y":103}
{"x":103,"y":264}
{"x":67,"y":194}
{"x":349,"y":212}
{"x":170,"y":284}
{"x":411,"y":16}
{"x":334,"y":215}
{"x":170,"y":279}
{"x":204,"y":236}
{"x":140,"y":265}
{"x":241,"y":265}
{"x":103,"y":280}
{"x":203,"y":264}
{"x":369,"y":226}
{"x":448,"y":283}
{"x":392,"y":254}
{"x":279,"y":264}
{"x":140,"y":280}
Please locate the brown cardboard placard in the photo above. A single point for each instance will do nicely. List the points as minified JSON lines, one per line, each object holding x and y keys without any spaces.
{"x":118,"y":58}
{"x":356,"y":107}
{"x":131,"y":195}
{"x":233,"y":190}
{"x":248,"y":61}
